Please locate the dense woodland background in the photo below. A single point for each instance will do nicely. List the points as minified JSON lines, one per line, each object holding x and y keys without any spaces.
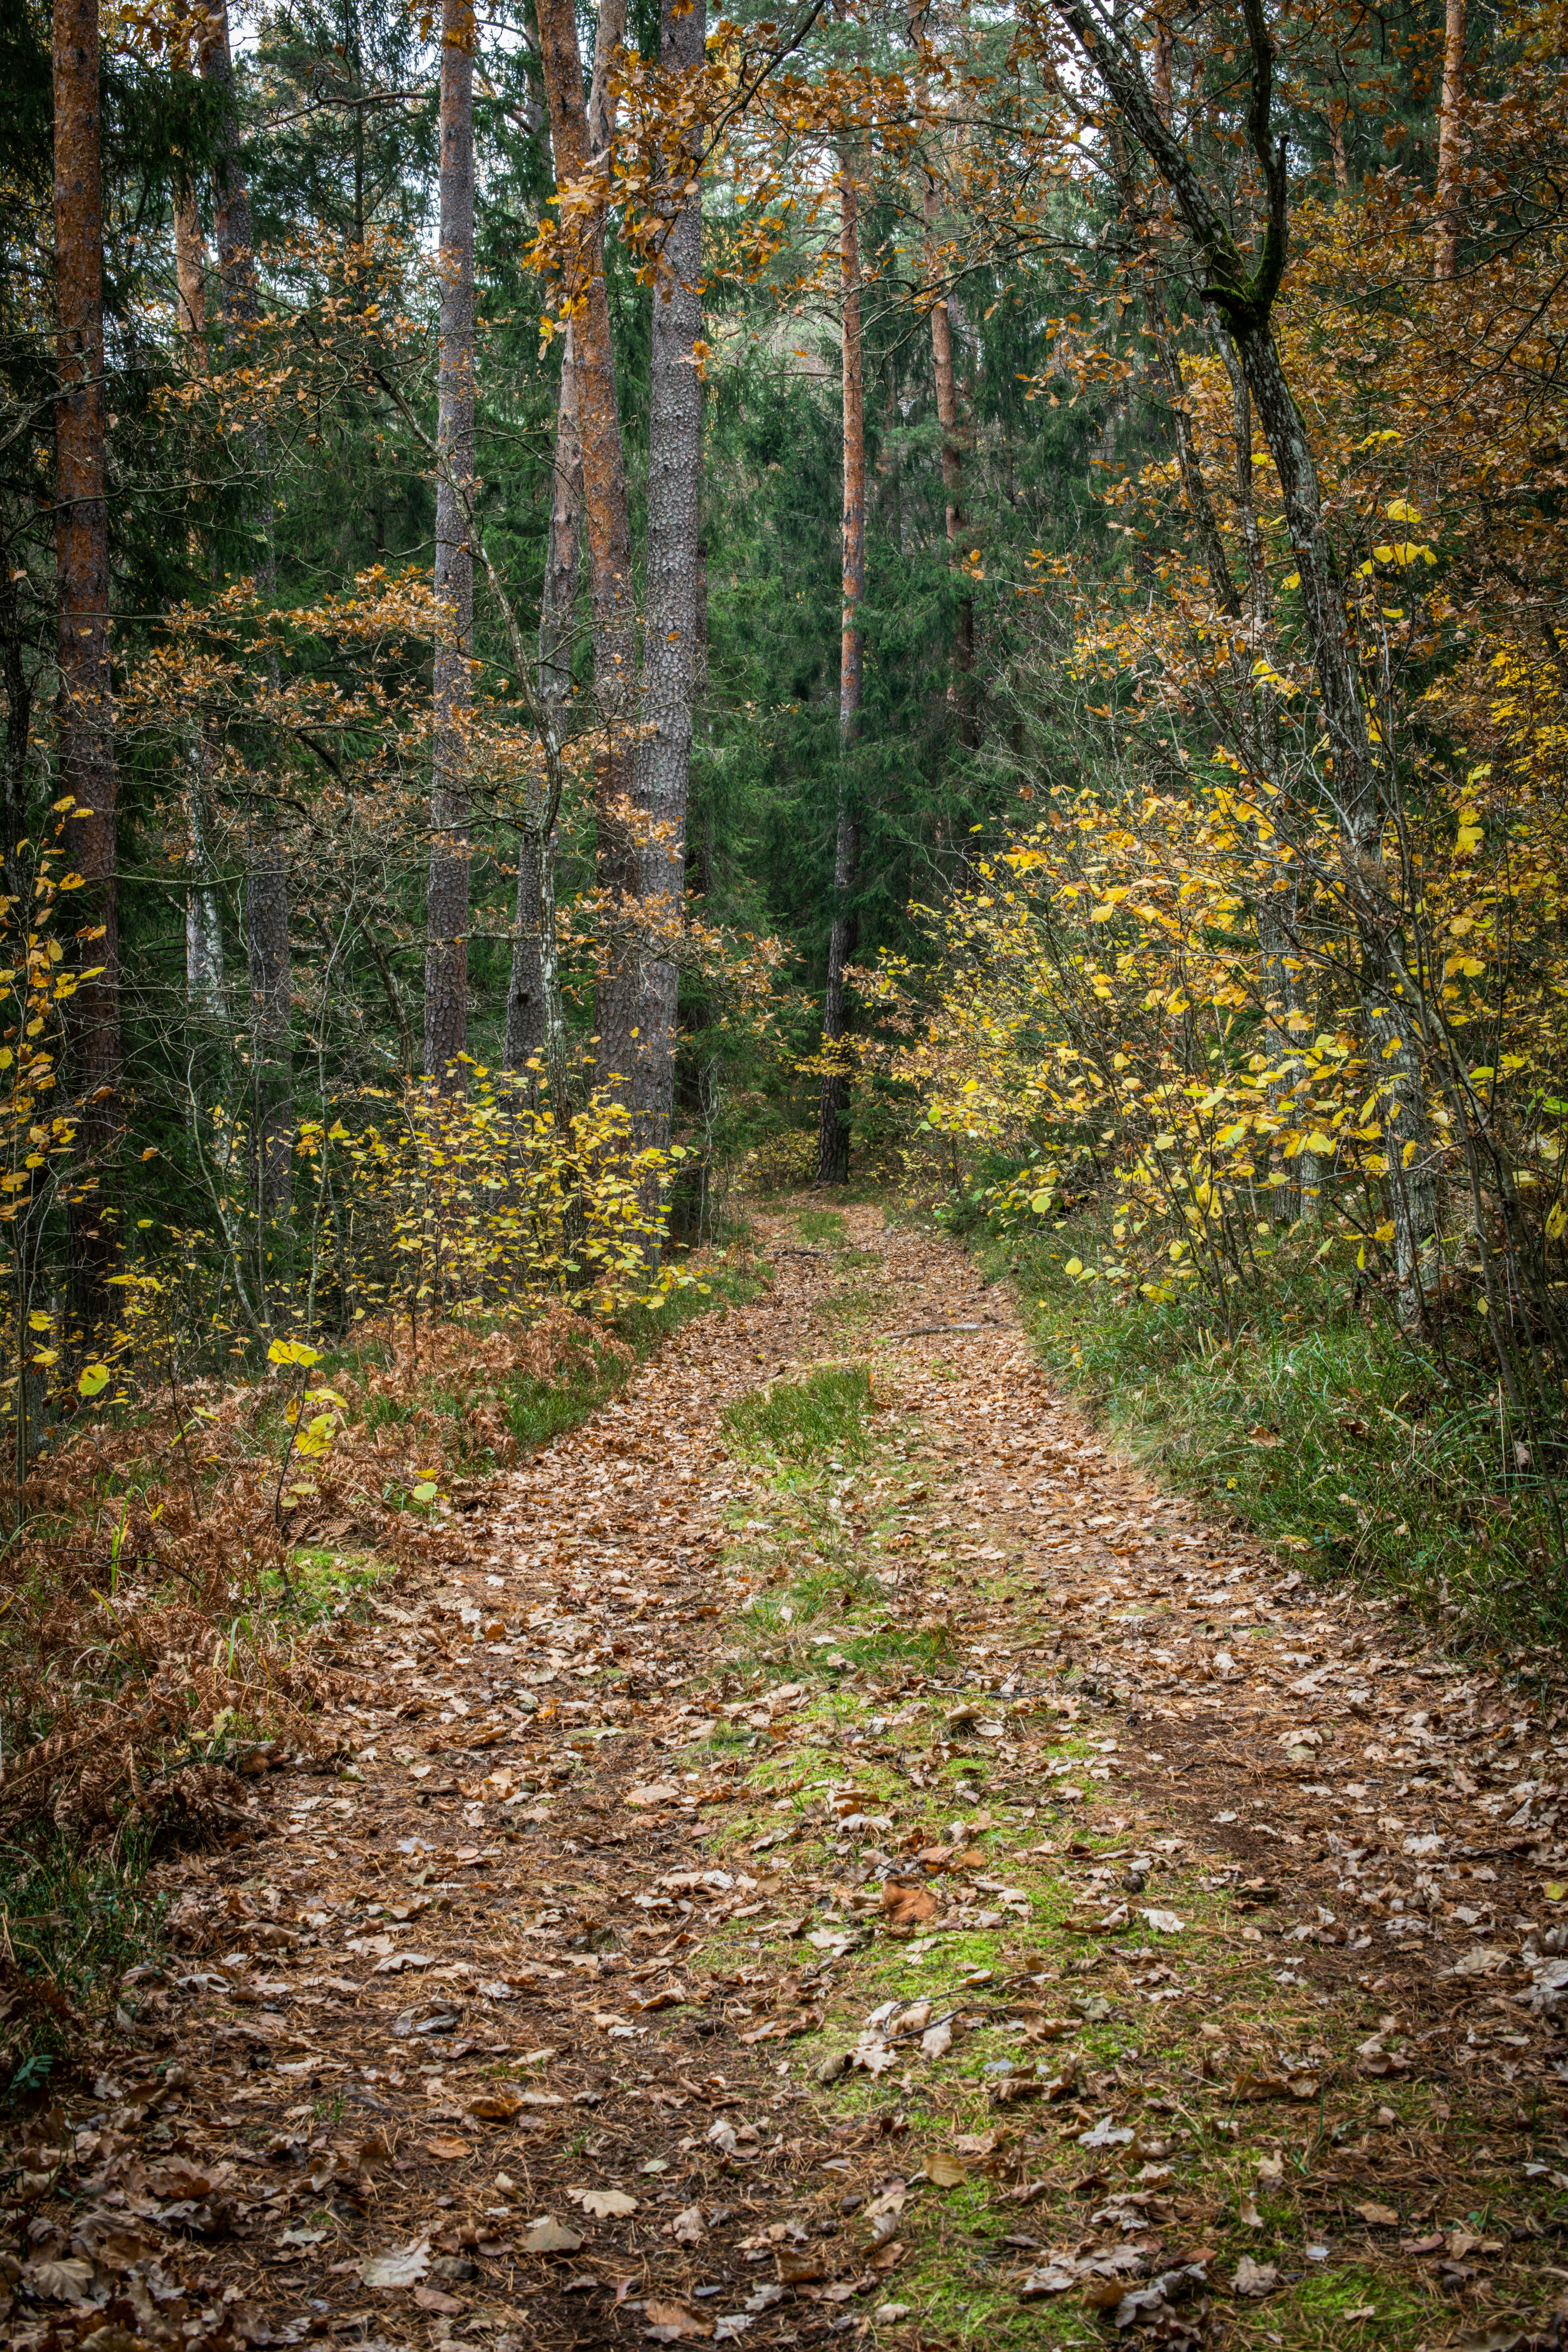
{"x":600,"y":608}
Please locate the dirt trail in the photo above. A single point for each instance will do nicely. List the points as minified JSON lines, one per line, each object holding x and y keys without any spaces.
{"x":932,"y":1885}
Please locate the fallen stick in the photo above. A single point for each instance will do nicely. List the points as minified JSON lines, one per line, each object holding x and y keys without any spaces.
{"x":932,"y":1330}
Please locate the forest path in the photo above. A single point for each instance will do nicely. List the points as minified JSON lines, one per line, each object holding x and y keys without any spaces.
{"x":881,"y":1870}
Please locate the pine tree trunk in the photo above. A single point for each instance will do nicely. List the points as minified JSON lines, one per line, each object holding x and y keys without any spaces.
{"x":447,"y":903}
{"x":833,"y":1129}
{"x":670,"y":641}
{"x":1451,"y":144}
{"x":609,"y":539}
{"x":952,"y":473}
{"x":87,"y":770}
{"x":190,"y":275}
{"x":266,"y":856}
{"x":207,"y":993}
{"x":529,"y":1015}
{"x":525,"y":1007}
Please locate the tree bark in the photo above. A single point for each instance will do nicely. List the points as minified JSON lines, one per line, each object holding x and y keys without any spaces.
{"x":670,"y":641}
{"x":206,"y":992}
{"x":833,"y":1126}
{"x":526,"y":1009}
{"x":952,"y":475}
{"x":608,"y":535}
{"x":87,"y":769}
{"x":1450,"y":144}
{"x":446,"y":901}
{"x":266,"y":856}
{"x":190,"y":276}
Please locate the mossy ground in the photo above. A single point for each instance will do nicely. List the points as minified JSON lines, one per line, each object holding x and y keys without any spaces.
{"x":1259,"y":2129}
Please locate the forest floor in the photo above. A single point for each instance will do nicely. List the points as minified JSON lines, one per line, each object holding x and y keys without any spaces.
{"x":845,"y":1855}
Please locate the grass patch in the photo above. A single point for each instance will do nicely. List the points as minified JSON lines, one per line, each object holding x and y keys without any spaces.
{"x":72,"y":1920}
{"x":1333,"y":1436}
{"x":826,"y":1225}
{"x":820,"y":1419}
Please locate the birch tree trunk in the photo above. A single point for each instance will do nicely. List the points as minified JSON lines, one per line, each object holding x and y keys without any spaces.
{"x":609,"y":540}
{"x":446,"y":901}
{"x":265,"y":857}
{"x":670,"y":641}
{"x":833,"y":1127}
{"x":87,"y":769}
{"x":1450,"y":145}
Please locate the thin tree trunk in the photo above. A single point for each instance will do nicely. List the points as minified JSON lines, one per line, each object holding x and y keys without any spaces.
{"x":670,"y":641}
{"x":1451,"y":144}
{"x":190,"y":275}
{"x":87,"y":770}
{"x":1339,"y":107}
{"x":833,"y":1129}
{"x":952,"y":475}
{"x":526,"y":1008}
{"x":205,"y":978}
{"x":206,"y":988}
{"x":447,"y":903}
{"x":266,"y":859}
{"x":609,"y":539}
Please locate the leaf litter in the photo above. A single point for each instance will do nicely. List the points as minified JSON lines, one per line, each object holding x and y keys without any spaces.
{"x":770,"y":1856}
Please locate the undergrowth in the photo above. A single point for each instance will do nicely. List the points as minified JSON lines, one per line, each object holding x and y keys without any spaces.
{"x":1362,"y":1454}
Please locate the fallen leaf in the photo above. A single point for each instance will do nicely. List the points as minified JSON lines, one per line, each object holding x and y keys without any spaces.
{"x":906,"y":1905}
{"x":548,"y":2236}
{"x":1379,"y":2217}
{"x":668,"y":2322}
{"x":944,"y":2171}
{"x":605,"y":2204}
{"x":654,"y":1792}
{"x":63,"y":2280}
{"x":688,"y":2228}
{"x":496,"y":2106}
{"x":447,"y":2149}
{"x":405,"y":2268}
{"x":432,"y":2298}
{"x":937,"y":2039}
{"x":1162,"y":1923}
{"x":1254,"y":2278}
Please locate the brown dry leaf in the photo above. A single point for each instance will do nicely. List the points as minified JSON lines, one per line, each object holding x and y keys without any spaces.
{"x":433,"y":2299}
{"x":447,"y":2149}
{"x":655,"y":1792}
{"x":604,"y":2204}
{"x":668,"y":2323}
{"x":496,"y":2106}
{"x":944,"y":2171}
{"x":905,"y":1905}
{"x":1254,"y":2278}
{"x":1378,"y":2217}
{"x":688,"y":2228}
{"x":549,"y":2236}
